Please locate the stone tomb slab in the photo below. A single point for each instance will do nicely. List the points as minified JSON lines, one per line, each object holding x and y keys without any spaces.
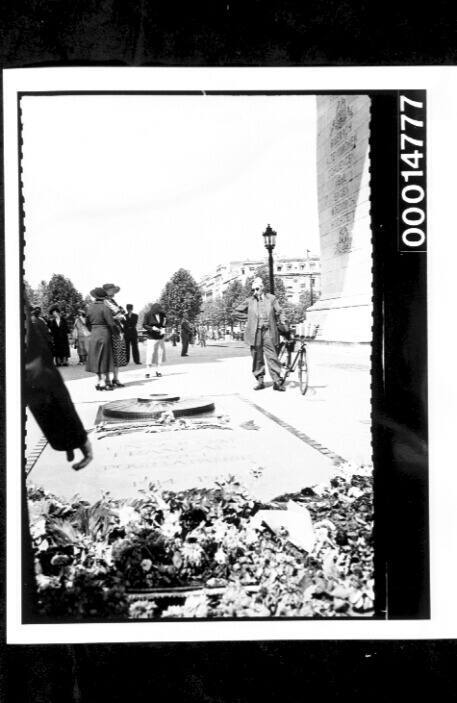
{"x":264,"y":456}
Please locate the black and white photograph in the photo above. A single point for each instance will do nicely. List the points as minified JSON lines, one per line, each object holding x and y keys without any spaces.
{"x":203,"y":353}
{"x":197,"y":272}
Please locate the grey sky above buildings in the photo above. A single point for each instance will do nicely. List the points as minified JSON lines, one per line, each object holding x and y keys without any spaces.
{"x":130,"y":188}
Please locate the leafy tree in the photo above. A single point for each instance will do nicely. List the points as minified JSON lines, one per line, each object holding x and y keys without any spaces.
{"x":60,"y":291}
{"x":263,"y":273}
{"x":213,"y":312}
{"x":29,"y":293}
{"x":296,"y":312}
{"x":305,"y":299}
{"x":181,"y":295}
{"x":40,"y":297}
{"x":232,"y":296}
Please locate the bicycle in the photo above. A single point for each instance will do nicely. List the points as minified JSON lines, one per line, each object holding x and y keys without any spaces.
{"x":294,"y":358}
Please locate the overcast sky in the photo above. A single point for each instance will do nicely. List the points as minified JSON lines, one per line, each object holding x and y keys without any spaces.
{"x":127,"y":189}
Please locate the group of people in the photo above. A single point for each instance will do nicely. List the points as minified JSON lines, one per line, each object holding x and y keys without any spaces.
{"x":113,"y":335}
{"x":108,"y":333}
{"x":105,"y":335}
{"x":55,"y":332}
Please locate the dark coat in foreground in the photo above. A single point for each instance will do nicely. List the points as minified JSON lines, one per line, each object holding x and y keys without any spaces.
{"x":50,"y":403}
{"x":47,"y":396}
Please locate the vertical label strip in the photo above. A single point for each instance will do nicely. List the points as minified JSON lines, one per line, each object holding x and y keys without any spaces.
{"x":412,"y":165}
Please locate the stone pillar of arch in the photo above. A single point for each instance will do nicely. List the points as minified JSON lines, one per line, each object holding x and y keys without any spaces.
{"x":344,"y":310}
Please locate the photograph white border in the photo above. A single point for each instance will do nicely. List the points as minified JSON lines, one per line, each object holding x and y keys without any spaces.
{"x":441,"y":86}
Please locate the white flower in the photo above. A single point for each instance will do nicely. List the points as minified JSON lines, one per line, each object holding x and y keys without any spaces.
{"x":103,"y":552}
{"x":44,"y":582}
{"x":146,"y":565}
{"x":171,"y":525}
{"x":38,"y":528}
{"x":127,"y":514}
{"x":251,"y":535}
{"x":219,"y":530}
{"x":196,"y":606}
{"x":232,"y":538}
{"x":220,"y":557}
{"x":174,"y":611}
{"x":192,"y":553}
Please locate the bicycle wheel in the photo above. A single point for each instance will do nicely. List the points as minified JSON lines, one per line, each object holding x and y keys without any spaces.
{"x":283,"y":357}
{"x":303,"y":373}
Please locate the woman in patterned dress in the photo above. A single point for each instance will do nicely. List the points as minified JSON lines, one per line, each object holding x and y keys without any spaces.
{"x":119,"y":350}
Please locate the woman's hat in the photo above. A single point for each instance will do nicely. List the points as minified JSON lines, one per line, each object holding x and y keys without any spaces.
{"x":98,"y":293}
{"x":107,"y":286}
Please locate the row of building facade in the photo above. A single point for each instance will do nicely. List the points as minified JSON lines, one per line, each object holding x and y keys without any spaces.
{"x":342,"y":312}
{"x":299,"y":274}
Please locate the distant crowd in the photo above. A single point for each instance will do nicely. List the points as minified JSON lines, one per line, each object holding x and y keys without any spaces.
{"x":106,"y":336}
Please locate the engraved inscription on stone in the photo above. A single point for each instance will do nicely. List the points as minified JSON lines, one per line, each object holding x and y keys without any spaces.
{"x":343,"y":244}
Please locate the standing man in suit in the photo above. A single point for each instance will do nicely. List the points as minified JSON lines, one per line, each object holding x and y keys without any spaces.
{"x":186,"y":334}
{"x":261,"y":311}
{"x":131,"y":334}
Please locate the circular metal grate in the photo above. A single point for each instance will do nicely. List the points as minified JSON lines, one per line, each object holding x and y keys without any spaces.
{"x":134,"y":408}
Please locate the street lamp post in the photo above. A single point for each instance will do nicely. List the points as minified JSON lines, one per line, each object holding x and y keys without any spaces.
{"x":270,"y":240}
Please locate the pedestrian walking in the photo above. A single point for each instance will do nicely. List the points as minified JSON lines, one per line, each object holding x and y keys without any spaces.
{"x":202,"y":335}
{"x":81,"y":336}
{"x":101,"y":325}
{"x":118,"y":342}
{"x":131,"y":335}
{"x":186,"y":334}
{"x":262,"y":312}
{"x":154,"y":323}
{"x":59,"y":333}
{"x":174,"y":337}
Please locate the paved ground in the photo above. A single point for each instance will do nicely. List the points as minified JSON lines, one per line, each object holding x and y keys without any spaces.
{"x":214,"y":351}
{"x":296,"y":441}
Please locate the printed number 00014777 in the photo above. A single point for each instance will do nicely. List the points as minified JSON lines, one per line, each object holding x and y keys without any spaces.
{"x":412,"y":193}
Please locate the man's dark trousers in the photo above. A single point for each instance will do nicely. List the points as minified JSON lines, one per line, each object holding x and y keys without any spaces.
{"x":185,"y":344}
{"x":264,"y":346}
{"x":132,"y":339}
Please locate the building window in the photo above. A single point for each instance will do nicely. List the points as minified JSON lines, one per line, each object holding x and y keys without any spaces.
{"x":302,"y":267}
{"x":242,"y":272}
{"x":289,"y":266}
{"x":279,"y":268}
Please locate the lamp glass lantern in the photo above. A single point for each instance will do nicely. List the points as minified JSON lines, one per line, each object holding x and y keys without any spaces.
{"x":269,"y":238}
